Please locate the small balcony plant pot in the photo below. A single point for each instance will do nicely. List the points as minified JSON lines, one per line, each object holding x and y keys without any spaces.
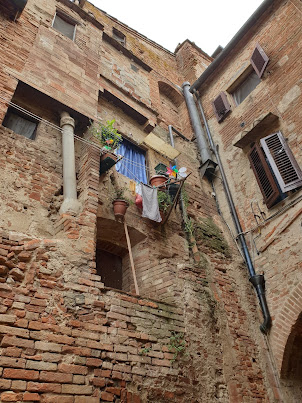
{"x":158,"y":180}
{"x":120,"y":207}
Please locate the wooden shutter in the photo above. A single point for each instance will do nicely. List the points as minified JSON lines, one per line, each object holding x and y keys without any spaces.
{"x":221,"y":106}
{"x":259,"y":60}
{"x":263,"y":175}
{"x":282,"y":161}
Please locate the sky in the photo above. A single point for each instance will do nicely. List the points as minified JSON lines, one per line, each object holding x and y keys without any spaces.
{"x":207,"y":23}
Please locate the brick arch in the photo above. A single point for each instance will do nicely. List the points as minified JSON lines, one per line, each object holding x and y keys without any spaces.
{"x":171,"y":92}
{"x":284,"y":324}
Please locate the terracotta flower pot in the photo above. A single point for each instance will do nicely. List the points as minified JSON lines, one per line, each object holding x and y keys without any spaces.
{"x":120,"y":207}
{"x":158,"y":180}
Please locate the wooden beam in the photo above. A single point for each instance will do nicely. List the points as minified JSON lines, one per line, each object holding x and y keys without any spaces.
{"x":131,"y":258}
{"x":181,"y":181}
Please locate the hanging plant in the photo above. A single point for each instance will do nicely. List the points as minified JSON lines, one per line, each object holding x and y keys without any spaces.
{"x":164,"y":201}
{"x":106,"y":135}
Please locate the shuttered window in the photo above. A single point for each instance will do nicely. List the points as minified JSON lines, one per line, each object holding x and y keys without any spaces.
{"x":275,"y":168}
{"x":282,"y":161}
{"x":259,"y":60}
{"x":264,"y":176}
{"x":221,"y":106}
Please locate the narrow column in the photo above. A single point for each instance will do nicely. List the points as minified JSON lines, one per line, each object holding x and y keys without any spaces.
{"x":70,"y":203}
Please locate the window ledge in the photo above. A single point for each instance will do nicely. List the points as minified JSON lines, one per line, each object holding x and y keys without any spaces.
{"x":259,"y":127}
{"x":117,"y":45}
{"x":83,"y":14}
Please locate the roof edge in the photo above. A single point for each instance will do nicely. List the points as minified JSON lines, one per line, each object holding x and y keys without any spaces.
{"x":193,"y":44}
{"x":233,"y":42}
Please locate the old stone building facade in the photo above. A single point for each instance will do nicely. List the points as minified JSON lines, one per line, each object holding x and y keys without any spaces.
{"x":74,"y":329}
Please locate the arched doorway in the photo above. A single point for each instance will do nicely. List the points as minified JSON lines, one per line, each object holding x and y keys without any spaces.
{"x":291,"y":373}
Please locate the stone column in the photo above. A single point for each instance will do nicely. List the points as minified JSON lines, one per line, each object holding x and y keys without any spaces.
{"x":70,"y":203}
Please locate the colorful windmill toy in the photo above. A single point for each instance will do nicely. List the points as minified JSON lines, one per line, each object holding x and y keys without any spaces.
{"x":172,"y":171}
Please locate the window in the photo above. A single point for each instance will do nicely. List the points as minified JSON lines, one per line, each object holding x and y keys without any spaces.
{"x":119,"y":36}
{"x":64,"y":24}
{"x":221,"y":106}
{"x":110,"y":267}
{"x":245,"y":87}
{"x":133,"y":165}
{"x":259,"y":60}
{"x":275,"y":168}
{"x":20,"y":124}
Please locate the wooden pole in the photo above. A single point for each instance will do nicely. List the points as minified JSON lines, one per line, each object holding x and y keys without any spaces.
{"x":181,"y":181}
{"x":131,"y":258}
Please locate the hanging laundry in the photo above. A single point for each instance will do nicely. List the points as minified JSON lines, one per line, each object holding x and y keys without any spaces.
{"x":138,"y":197}
{"x":150,"y":203}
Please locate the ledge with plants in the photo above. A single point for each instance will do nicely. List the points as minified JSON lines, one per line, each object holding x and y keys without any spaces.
{"x":109,"y":138}
{"x":120,"y":201}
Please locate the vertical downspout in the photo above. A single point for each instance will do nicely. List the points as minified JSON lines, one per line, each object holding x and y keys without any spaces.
{"x":208,"y":165}
{"x":256,"y":279}
{"x":70,"y":203}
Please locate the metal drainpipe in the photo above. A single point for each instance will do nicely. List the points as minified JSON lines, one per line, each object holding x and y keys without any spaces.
{"x":256,"y":279}
{"x":208,"y":165}
{"x":70,"y":203}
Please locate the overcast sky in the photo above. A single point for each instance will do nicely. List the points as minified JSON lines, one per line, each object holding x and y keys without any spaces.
{"x":207,"y":23}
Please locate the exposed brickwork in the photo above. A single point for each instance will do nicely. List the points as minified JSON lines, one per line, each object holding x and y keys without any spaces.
{"x":278,"y":93}
{"x":65,"y":337}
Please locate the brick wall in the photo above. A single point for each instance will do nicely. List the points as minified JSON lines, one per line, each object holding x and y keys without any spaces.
{"x":278,"y":93}
{"x":33,"y":177}
{"x":65,"y":336}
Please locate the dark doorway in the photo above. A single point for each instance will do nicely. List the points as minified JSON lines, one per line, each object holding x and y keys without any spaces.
{"x":109,"y":267}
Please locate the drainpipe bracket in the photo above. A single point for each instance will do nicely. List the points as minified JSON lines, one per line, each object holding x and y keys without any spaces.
{"x":207,"y":169}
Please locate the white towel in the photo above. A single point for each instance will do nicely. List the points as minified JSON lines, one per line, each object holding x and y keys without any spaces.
{"x":150,"y":203}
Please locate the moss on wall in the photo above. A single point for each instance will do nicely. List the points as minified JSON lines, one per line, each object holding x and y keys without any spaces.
{"x":206,"y":231}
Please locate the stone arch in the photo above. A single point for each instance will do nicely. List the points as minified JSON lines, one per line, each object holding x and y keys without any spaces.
{"x":287,"y":326}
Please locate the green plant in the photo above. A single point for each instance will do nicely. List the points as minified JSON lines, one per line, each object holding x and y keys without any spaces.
{"x":177,"y":345}
{"x":118,"y":193}
{"x":189,"y":226}
{"x":164,"y":201}
{"x":106,"y":135}
{"x":144,"y":350}
{"x":210,"y":235}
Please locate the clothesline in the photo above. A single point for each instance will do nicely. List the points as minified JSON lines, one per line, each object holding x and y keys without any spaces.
{"x":169,"y":181}
{"x":85,"y":141}
{"x":46,"y":122}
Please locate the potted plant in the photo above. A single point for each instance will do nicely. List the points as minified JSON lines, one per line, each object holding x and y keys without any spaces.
{"x":110,"y":139}
{"x":158,"y":180}
{"x":120,"y":202}
{"x":164,"y":202}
